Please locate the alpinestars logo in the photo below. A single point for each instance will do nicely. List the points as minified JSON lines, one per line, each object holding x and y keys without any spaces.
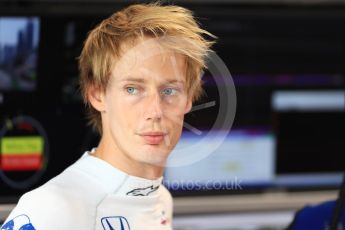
{"x":142,"y":191}
{"x":115,"y":223}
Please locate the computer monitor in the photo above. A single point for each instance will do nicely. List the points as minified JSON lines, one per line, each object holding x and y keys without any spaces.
{"x":19,"y":40}
{"x":298,"y":145}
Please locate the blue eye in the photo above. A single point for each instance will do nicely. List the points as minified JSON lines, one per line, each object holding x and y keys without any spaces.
{"x":169,"y":91}
{"x":132,"y":90}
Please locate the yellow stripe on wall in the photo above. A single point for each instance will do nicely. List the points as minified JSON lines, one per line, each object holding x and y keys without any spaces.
{"x":22,"y":145}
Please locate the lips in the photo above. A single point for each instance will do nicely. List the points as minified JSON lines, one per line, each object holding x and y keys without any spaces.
{"x":153,"y":138}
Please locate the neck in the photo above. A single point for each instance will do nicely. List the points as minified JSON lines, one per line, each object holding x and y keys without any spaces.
{"x":113,"y":155}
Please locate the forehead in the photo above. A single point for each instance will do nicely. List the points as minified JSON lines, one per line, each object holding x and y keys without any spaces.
{"x":148,"y":58}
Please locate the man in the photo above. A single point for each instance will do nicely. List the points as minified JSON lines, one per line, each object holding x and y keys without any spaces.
{"x":139,"y":73}
{"x":328,"y":215}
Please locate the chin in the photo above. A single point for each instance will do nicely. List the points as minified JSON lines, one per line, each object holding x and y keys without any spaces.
{"x":156,"y":157}
{"x":154,"y":161}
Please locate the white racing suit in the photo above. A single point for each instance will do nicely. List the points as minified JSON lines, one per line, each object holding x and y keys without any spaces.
{"x":92,"y":194}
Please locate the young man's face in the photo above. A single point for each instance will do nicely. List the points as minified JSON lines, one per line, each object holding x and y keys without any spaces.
{"x":145,"y":103}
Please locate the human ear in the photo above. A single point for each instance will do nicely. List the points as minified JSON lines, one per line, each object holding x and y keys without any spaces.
{"x":188,"y":105}
{"x":96,"y":98}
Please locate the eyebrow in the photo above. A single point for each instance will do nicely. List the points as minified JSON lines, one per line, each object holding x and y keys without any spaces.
{"x":141,"y":80}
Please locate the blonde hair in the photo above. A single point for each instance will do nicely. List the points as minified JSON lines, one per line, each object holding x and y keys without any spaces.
{"x":103,"y":46}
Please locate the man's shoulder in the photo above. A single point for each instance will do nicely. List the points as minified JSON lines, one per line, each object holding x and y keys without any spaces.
{"x":72,"y":187}
{"x":47,"y":197}
{"x":41,"y":208}
{"x":69,"y":197}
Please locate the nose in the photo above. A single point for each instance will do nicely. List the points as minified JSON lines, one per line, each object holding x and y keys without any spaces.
{"x":153,"y":107}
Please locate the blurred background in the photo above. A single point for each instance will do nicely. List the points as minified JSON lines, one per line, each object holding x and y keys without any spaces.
{"x":286,"y":146}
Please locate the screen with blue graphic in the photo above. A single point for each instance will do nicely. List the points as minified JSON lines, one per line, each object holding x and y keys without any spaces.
{"x":246,"y":157}
{"x":19,"y":40}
